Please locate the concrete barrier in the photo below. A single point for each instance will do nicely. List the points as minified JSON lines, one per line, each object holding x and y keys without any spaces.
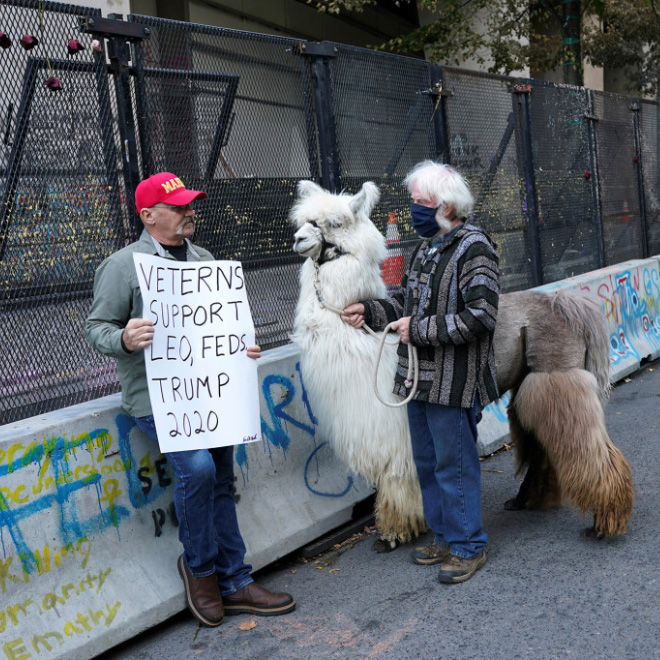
{"x":88,"y":539}
{"x":86,"y":527}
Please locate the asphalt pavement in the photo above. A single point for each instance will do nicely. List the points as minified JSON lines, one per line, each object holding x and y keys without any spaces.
{"x":545,"y":593}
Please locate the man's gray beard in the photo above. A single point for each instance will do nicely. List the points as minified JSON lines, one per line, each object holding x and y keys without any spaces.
{"x":444,"y":223}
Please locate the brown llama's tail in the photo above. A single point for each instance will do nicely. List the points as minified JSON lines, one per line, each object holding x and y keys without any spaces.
{"x":586,"y":319}
{"x":564,"y":412}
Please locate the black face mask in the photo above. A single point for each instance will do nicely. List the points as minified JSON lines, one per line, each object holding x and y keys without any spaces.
{"x":423,"y":220}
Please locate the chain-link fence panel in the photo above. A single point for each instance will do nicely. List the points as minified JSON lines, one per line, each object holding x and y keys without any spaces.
{"x":618,"y":177}
{"x":569,"y":233}
{"x":225,"y":111}
{"x":59,"y":207}
{"x":481,"y":122}
{"x":650,"y":147}
{"x":246,"y":116}
{"x":383,"y":121}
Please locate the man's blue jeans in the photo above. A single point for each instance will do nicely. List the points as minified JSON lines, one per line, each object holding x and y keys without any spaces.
{"x":444,"y":444}
{"x":205,"y":507}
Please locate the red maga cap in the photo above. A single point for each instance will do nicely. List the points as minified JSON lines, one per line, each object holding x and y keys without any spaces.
{"x":164,"y":187}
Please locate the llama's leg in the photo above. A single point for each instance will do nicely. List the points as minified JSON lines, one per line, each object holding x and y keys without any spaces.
{"x":539,"y":488}
{"x":564,"y":411}
{"x":612,"y":511}
{"x":519,"y":440}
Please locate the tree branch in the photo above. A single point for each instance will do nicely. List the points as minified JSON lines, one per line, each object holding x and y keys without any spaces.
{"x":655,"y":12}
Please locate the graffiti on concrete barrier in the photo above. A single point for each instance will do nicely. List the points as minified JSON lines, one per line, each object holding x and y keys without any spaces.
{"x":68,"y":600}
{"x":92,"y":483}
{"x":280,"y":394}
{"x":631,"y":302}
{"x":310,"y":486}
{"x":56,"y":473}
{"x":498,"y":407}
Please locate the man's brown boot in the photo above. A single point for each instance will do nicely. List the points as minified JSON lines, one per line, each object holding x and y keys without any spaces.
{"x":458,"y":569}
{"x":253,"y":599}
{"x":430,"y":554}
{"x":203,"y":596}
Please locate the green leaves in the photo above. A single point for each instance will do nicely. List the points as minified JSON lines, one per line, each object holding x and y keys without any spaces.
{"x":505,"y":36}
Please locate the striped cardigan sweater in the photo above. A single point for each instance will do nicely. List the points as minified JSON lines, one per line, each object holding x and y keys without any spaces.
{"x":451,"y":292}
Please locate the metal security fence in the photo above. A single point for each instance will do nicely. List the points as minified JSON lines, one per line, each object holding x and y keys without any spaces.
{"x":616,"y":129}
{"x":566,"y":179}
{"x":383,"y":121}
{"x":484,"y":129}
{"x":649,"y":174}
{"x":60,"y":210}
{"x":226,"y":111}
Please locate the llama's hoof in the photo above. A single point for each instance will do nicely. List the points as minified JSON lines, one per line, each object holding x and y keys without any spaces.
{"x":514,"y":504}
{"x":382,"y":546}
{"x":591,"y":533}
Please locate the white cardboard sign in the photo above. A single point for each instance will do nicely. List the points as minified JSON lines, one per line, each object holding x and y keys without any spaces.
{"x":203,"y":387}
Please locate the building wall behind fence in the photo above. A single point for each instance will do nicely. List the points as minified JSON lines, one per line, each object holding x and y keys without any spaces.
{"x":565,"y":179}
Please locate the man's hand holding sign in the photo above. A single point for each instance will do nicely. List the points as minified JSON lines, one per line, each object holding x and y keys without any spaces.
{"x":197,"y":333}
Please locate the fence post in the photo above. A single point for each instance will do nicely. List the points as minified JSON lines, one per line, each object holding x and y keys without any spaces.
{"x":119,"y":33}
{"x":320,"y":54}
{"x":118,"y":52}
{"x":521,"y":108}
{"x":143,"y":131}
{"x":636,"y":108}
{"x":591,"y":118}
{"x":439,"y":95}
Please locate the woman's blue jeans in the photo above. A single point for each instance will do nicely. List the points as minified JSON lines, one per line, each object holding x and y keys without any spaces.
{"x":444,"y":444}
{"x":205,"y":507}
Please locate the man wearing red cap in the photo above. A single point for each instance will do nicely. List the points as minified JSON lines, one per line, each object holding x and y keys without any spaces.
{"x":217,"y":580}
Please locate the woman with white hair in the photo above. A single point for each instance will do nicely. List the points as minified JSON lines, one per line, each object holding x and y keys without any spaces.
{"x":447,"y":308}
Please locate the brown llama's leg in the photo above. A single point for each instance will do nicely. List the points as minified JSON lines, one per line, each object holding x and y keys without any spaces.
{"x":539,"y":489}
{"x":549,"y":493}
{"x":520,"y":440}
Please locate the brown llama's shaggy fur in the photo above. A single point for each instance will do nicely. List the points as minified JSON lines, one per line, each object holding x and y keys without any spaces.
{"x":558,"y":377}
{"x":589,"y":470}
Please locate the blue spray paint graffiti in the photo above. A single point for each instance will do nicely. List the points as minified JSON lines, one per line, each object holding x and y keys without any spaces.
{"x":312,"y":456}
{"x":57,"y":473}
{"x":60,"y":482}
{"x":279,"y":393}
{"x":276,"y":434}
{"x":498,"y":408}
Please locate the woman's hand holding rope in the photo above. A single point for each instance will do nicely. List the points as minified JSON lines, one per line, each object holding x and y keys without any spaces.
{"x":353,"y":314}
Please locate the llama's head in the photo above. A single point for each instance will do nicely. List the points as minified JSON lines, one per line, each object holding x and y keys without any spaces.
{"x":330,"y":225}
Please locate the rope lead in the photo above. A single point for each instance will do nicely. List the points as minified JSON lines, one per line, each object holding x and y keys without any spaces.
{"x":412,"y":377}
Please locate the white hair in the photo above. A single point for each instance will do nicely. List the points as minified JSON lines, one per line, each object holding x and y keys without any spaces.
{"x":442,"y":183}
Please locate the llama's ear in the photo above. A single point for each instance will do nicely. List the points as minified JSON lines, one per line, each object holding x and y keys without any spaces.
{"x":307,"y":188}
{"x":366,"y":199}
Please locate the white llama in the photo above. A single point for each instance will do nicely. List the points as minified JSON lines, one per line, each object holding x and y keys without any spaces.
{"x":337,"y":361}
